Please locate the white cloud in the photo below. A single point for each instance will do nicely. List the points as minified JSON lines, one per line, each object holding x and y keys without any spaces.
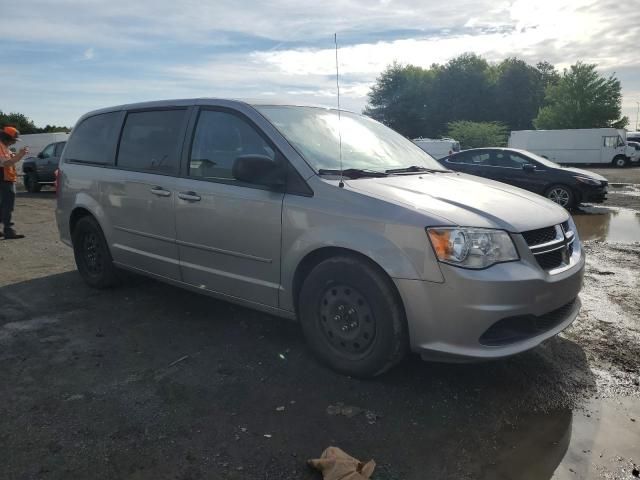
{"x":411,"y":31}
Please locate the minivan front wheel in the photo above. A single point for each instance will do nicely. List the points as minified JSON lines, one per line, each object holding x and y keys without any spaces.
{"x":562,"y":195}
{"x":351,"y":317}
{"x":92,"y":255}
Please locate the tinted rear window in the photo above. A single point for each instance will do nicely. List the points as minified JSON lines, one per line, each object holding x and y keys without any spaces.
{"x":93,"y":141}
{"x":151,"y":141}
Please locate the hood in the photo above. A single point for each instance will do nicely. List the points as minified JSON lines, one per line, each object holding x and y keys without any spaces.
{"x":464,"y":200}
{"x":585,"y":173}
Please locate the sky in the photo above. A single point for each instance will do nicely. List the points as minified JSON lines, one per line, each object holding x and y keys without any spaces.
{"x":66,"y":57}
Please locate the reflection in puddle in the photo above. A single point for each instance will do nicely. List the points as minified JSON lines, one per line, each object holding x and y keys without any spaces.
{"x":533,"y":449}
{"x":599,"y":223}
{"x":569,"y":445}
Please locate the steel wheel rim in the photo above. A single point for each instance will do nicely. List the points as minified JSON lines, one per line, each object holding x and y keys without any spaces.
{"x":91,"y":253}
{"x":559,"y":196}
{"x":346,"y":320}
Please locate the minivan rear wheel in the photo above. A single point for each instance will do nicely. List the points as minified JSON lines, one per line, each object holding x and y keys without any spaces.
{"x":351,"y":317}
{"x":92,"y":255}
{"x":562,"y":195}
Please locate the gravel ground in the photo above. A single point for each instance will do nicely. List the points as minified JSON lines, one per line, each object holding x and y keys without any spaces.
{"x":150,"y":381}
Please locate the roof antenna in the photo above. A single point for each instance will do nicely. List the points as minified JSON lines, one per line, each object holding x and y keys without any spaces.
{"x":341,"y":183}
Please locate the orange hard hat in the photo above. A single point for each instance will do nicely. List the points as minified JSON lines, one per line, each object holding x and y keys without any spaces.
{"x":12,"y":132}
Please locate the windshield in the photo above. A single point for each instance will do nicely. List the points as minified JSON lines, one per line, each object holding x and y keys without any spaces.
{"x":366,"y":144}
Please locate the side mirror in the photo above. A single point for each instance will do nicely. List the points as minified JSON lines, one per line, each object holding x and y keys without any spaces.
{"x":259,"y":170}
{"x":528,"y":167}
{"x":41,"y":155}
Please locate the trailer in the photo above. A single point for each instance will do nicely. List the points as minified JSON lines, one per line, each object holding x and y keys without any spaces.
{"x":587,"y":145}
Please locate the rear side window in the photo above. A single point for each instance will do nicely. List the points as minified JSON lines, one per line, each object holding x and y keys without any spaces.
{"x":93,"y":141}
{"x":151,"y":141}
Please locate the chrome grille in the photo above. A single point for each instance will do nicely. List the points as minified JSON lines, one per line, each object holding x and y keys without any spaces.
{"x":541,"y":235}
{"x":552,"y":246}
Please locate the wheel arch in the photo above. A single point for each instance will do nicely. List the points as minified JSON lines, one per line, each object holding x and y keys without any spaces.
{"x":85,"y":205}
{"x":576,"y":195}
{"x":317,"y":256}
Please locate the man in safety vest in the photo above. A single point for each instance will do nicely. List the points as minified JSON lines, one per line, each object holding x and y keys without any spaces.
{"x":8,"y":178}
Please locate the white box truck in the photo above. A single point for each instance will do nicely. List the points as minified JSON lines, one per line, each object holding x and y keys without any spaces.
{"x":588,"y":145}
{"x":437,"y":148}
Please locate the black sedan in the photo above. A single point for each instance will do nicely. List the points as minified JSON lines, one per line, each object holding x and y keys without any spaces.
{"x":566,"y":186}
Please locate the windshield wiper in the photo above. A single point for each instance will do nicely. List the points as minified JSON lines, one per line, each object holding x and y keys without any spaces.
{"x":414,"y":168}
{"x":353,"y":172}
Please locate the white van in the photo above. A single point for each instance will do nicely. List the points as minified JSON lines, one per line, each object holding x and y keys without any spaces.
{"x":438,"y":148}
{"x":588,"y":145}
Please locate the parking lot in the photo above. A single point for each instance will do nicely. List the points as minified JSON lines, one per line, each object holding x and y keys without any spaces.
{"x":150,"y":381}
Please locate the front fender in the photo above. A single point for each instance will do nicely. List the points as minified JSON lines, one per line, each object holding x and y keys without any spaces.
{"x":402,"y":253}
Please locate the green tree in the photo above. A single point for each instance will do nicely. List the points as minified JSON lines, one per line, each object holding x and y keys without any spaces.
{"x":399,"y":98}
{"x":478,"y":134}
{"x":582,"y":98}
{"x":519,"y":92}
{"x":26,"y":126}
{"x":20,"y":121}
{"x":549,"y":74}
{"x":464,"y":90}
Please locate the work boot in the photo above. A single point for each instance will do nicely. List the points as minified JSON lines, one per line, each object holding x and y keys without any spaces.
{"x":12,"y":235}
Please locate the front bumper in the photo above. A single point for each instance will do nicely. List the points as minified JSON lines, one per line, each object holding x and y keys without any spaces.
{"x":594,"y":194}
{"x":447,"y":320}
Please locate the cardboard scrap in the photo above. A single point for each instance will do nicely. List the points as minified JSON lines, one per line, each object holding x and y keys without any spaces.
{"x":335,"y":464}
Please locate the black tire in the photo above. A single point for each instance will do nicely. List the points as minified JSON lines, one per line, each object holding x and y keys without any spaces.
{"x":92,"y":255}
{"x":562,"y":195}
{"x":31,"y":184}
{"x":351,"y":317}
{"x":620,"y":161}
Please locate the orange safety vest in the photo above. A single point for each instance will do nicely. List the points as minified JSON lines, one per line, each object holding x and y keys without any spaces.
{"x":10,"y":174}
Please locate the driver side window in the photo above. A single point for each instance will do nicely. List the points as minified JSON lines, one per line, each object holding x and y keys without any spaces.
{"x":48,"y":151}
{"x":219,"y":139}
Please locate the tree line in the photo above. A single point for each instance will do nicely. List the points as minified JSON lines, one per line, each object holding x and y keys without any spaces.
{"x":468,"y":92}
{"x":26,"y":126}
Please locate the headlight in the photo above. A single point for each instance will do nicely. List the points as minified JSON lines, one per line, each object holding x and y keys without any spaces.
{"x":588,"y":181}
{"x":472,"y":247}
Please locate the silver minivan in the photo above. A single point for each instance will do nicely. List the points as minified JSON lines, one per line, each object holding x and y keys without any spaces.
{"x":322,"y":216}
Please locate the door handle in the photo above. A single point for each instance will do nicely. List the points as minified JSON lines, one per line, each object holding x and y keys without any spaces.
{"x":189,"y":196}
{"x":161,"y":192}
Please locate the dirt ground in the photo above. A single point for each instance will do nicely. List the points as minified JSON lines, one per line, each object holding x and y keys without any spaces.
{"x":148,"y":381}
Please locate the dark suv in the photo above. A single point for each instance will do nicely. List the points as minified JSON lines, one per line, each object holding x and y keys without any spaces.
{"x":41,"y":169}
{"x":566,"y":186}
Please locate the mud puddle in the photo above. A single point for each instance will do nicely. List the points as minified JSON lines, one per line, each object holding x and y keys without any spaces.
{"x":602,"y":439}
{"x":630,"y":189}
{"x":608,"y":224}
